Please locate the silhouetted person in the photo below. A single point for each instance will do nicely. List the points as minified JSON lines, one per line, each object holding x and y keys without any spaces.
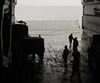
{"x":70,"y":40}
{"x":39,"y":36}
{"x":75,"y":43}
{"x":76,"y":63}
{"x":65,"y":55}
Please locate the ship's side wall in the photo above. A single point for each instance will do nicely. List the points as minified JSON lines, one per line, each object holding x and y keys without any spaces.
{"x":90,"y":20}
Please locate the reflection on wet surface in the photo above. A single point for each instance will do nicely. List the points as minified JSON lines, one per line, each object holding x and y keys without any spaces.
{"x":52,"y":69}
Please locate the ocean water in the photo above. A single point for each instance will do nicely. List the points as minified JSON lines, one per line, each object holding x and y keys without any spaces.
{"x":51,"y":21}
{"x":48,"y":13}
{"x":53,"y":27}
{"x":55,"y":32}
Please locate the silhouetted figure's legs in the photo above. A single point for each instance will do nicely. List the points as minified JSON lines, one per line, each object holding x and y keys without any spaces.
{"x":78,"y":73}
{"x":76,"y":62}
{"x":70,"y":43}
{"x":65,"y":62}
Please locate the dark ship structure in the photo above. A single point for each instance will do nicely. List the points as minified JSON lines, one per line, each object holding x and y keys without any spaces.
{"x":23,"y":44}
{"x":15,"y":43}
{"x":91,"y":31}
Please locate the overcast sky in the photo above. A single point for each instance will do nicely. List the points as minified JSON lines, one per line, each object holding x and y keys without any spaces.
{"x":48,"y":2}
{"x":48,"y":10}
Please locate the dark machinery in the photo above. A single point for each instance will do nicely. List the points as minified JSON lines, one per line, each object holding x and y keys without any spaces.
{"x":23,"y":44}
{"x":94,"y":53}
{"x":96,"y":50}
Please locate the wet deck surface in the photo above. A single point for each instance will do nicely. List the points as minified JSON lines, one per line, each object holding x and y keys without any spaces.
{"x":52,"y":69}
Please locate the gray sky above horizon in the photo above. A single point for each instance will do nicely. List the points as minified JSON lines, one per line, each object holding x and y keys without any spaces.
{"x":48,"y":10}
{"x":49,"y":3}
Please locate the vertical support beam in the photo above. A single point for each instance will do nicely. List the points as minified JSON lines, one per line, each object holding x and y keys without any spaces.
{"x":10,"y":31}
{"x":7,"y":29}
{"x":6,"y":33}
{"x":1,"y":27}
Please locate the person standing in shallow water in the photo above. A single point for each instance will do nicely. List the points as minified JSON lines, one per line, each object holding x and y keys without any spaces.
{"x":65,"y":55}
{"x":76,"y":63}
{"x":70,"y":40}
